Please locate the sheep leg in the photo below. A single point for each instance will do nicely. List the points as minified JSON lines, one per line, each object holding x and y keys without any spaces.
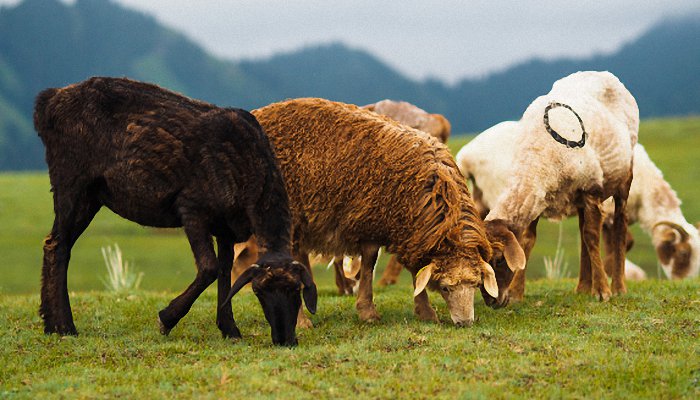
{"x":619,"y":245}
{"x":584,"y":277}
{"x":516,"y":289}
{"x":343,"y":284}
{"x":73,"y":215}
{"x":303,"y":321}
{"x":609,"y":246}
{"x":224,"y":315}
{"x":365,"y":304}
{"x":207,"y":266}
{"x":593,"y":220}
{"x":421,"y":305}
{"x":391,"y":272}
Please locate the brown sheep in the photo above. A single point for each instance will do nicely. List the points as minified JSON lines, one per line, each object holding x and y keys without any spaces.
{"x":403,"y":112}
{"x":161,"y":159}
{"x":435,"y":125}
{"x":351,"y":192}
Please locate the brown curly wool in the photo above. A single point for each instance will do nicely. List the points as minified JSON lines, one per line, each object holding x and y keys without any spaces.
{"x":354,"y":176}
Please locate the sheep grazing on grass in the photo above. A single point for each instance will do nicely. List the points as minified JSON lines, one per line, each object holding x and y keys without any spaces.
{"x":436,"y":126}
{"x":161,"y":159}
{"x":571,"y":150}
{"x":351,"y":191}
{"x":656,"y":207}
{"x":346,"y":279}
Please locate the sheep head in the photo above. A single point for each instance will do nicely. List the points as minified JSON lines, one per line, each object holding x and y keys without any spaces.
{"x":508,"y":257}
{"x":438,"y":126}
{"x":278,"y":286}
{"x":456,"y":279}
{"x":673,"y":247}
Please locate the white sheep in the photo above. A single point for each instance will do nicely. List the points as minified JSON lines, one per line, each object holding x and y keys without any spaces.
{"x":572,"y":149}
{"x":654,"y":204}
{"x":633,"y":272}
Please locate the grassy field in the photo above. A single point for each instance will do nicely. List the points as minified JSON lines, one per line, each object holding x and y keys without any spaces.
{"x":555,"y":344}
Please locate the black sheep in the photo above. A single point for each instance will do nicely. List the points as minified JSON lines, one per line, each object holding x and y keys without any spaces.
{"x":161,"y":159}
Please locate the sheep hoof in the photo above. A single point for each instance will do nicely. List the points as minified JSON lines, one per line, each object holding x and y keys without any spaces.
{"x":65,"y":329}
{"x":604,"y":295}
{"x":163,"y":329}
{"x":619,"y":290}
{"x":231,"y":333}
{"x":583,"y":288}
{"x":369,"y":315}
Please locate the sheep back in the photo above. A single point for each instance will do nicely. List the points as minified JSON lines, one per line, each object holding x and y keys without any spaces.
{"x":408,"y":114}
{"x":148,"y":151}
{"x":610,"y":117}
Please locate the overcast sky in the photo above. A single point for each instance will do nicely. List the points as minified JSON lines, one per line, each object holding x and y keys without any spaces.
{"x":446,"y":39}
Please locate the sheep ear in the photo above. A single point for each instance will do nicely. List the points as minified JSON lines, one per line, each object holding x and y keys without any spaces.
{"x":515,"y":256}
{"x":666,"y":248}
{"x":309,"y":293}
{"x":489,"y":279}
{"x":422,"y":278}
{"x":351,"y":267}
{"x":238,"y":249}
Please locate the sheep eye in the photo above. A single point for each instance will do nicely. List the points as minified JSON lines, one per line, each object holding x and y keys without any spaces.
{"x":445,"y":289}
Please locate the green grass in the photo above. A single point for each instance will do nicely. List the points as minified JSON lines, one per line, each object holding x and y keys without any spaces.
{"x":556,"y":344}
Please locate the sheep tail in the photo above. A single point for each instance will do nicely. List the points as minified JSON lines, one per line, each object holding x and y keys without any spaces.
{"x":43,"y":118}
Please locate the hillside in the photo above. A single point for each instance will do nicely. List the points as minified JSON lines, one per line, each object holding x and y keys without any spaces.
{"x":46,"y":43}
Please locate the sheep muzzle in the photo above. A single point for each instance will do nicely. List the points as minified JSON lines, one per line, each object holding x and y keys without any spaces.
{"x":460,"y":302}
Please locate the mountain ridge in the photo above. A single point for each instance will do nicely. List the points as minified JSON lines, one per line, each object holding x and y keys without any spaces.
{"x":47,"y":43}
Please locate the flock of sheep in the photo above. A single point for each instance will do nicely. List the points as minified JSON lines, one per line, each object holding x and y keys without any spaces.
{"x":314,"y":176}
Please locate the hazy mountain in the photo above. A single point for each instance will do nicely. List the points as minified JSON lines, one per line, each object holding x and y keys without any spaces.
{"x":46,"y":43}
{"x":661,"y":69}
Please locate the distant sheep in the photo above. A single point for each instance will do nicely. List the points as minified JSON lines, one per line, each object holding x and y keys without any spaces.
{"x":656,"y":207}
{"x":571,"y":150}
{"x":435,"y":125}
{"x":633,"y":272}
{"x":161,"y":159}
{"x":342,"y":169}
